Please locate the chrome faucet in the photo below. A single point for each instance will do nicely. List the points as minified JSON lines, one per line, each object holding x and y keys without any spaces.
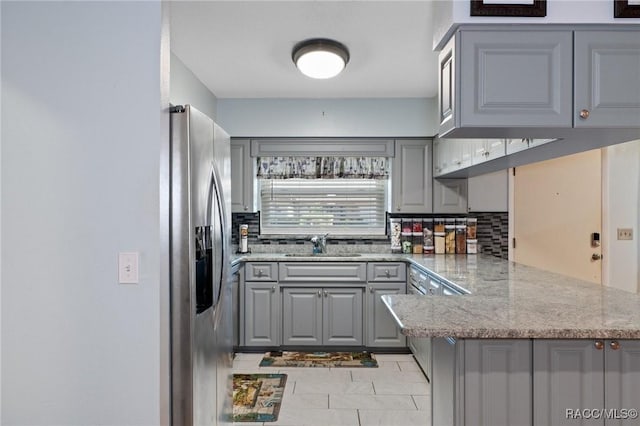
{"x":319,"y":243}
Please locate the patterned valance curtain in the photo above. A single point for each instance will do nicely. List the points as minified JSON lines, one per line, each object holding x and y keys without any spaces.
{"x":323,"y":167}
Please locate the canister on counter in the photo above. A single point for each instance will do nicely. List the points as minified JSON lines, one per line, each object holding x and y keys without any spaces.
{"x":472,"y":227}
{"x":407,"y":226}
{"x":395,"y":227}
{"x":438,"y":224}
{"x":461,"y":239}
{"x":243,"y":247}
{"x":417,"y":226}
{"x":417,"y":243}
{"x":427,"y":232}
{"x":472,"y":246}
{"x":450,"y":239}
{"x":438,"y":238}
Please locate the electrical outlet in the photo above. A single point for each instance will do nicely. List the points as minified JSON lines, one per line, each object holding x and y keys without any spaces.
{"x":625,"y":233}
{"x":128,"y":268}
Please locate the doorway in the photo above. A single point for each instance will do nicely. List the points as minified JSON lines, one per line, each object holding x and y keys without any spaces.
{"x":557,"y":206}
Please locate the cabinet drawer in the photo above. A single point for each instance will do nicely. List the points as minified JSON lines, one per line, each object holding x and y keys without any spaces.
{"x":261,"y":271}
{"x":386,"y":272}
{"x":322,"y":272}
{"x":417,"y":278}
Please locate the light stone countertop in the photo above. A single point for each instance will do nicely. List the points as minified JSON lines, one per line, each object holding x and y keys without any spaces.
{"x":507,"y":300}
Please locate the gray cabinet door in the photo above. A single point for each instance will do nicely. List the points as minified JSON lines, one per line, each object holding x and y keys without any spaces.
{"x":497,"y":384}
{"x":607,"y":78}
{"x":261,"y":314}
{"x":342,"y":317}
{"x":567,"y":375}
{"x":622,"y":378}
{"x":450,"y":195}
{"x":242,"y":176}
{"x":411,"y":180}
{"x":489,"y":192}
{"x":515,"y":78}
{"x":302,"y":316}
{"x":382,"y":330}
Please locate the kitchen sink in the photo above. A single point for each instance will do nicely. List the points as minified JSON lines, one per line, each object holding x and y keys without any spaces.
{"x":322,"y":255}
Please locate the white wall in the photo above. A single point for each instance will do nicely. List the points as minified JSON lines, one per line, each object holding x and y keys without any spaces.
{"x":186,"y":88}
{"x":401,"y":117}
{"x":81,"y":140}
{"x":621,"y":207}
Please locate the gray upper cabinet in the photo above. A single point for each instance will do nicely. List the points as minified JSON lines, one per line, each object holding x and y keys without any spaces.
{"x":489,"y":192}
{"x":450,"y":196}
{"x":541,"y":84}
{"x":506,"y":79}
{"x":607,"y":79}
{"x":411,"y":176}
{"x":242,"y":177}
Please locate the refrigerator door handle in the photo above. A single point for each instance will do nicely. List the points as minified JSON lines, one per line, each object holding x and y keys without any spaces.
{"x":215,"y":188}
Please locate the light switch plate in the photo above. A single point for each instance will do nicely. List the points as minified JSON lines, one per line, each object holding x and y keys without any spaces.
{"x":128,"y":267}
{"x":625,"y":233}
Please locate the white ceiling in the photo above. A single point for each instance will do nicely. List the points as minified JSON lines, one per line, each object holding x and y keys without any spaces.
{"x":242,"y":49}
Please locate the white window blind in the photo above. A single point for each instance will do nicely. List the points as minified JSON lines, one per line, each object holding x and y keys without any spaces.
{"x":336,"y":206}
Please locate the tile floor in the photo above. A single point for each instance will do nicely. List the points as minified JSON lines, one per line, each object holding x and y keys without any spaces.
{"x":394,"y":394}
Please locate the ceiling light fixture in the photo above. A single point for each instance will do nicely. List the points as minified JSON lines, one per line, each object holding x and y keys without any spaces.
{"x":320,"y":57}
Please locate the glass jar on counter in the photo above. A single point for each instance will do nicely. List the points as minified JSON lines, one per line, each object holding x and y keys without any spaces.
{"x":427,"y":232}
{"x":417,"y":226}
{"x":450,"y":239}
{"x":417,"y":243}
{"x":461,"y":239}
{"x":407,"y":226}
{"x":395,"y":230}
{"x":439,"y":243}
{"x":472,"y":228}
{"x":438,"y":224}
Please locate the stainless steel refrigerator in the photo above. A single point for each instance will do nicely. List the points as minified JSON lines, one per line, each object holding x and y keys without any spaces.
{"x":201,"y":321}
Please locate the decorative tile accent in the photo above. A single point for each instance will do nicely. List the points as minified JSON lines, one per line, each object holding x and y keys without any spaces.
{"x":493,"y":233}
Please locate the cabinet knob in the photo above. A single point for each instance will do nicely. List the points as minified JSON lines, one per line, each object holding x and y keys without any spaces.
{"x":319,"y":293}
{"x":273,"y":289}
{"x":246,"y":208}
{"x":386,"y":272}
{"x":599,"y":345}
{"x":259,"y":273}
{"x":596,"y":256}
{"x":486,"y":153}
{"x":615,"y":345}
{"x":326,"y":294}
{"x":431,"y":291}
{"x":371,"y":290}
{"x":584,"y":114}
{"x":398,"y":208}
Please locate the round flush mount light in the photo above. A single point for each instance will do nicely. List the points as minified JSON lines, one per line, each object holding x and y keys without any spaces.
{"x":320,"y":57}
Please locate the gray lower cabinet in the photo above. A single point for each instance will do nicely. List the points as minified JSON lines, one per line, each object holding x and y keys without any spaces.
{"x":261,"y":314}
{"x":314,"y":316}
{"x":574,"y":375}
{"x":497,"y":382}
{"x":382,"y":330}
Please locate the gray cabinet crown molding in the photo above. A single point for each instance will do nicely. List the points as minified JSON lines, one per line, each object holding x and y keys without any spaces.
{"x":369,"y":147}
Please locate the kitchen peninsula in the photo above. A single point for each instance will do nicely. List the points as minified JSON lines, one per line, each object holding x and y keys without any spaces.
{"x":524,"y":347}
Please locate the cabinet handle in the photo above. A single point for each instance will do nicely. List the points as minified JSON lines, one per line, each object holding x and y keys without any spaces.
{"x":326,"y":294}
{"x":259,"y":273}
{"x":486,"y":153}
{"x":371,"y":290}
{"x":386,"y":272}
{"x":246,"y":208}
{"x":398,"y":208}
{"x":319,"y":293}
{"x":273,"y":289}
{"x":431,"y":291}
{"x":615,"y":345}
{"x":584,"y":114}
{"x":599,"y":345}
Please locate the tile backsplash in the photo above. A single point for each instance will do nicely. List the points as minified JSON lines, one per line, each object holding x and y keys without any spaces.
{"x":492,"y":235}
